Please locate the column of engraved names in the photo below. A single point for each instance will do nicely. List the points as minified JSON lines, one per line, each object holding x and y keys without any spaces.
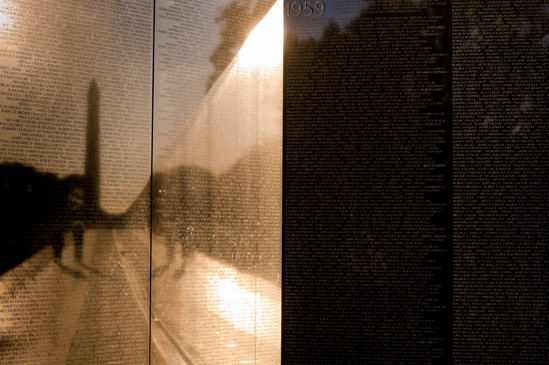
{"x":364,"y":116}
{"x":500,"y":185}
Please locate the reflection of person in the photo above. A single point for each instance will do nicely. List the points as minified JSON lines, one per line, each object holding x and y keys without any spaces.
{"x":176,"y":233}
{"x":40,"y":210}
{"x":72,"y":217}
{"x":78,"y":236}
{"x":182,"y":235}
{"x":75,"y":204}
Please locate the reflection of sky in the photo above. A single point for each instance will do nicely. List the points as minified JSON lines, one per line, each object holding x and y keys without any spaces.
{"x":186,"y":35}
{"x":242,"y":110}
{"x":342,"y":12}
{"x":49,"y":53}
{"x":183,"y":68}
{"x":72,"y":42}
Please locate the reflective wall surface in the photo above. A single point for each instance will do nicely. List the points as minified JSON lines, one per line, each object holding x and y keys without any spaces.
{"x":75,"y":132}
{"x":142,"y":200}
{"x":95,"y":268}
{"x":216,"y":228}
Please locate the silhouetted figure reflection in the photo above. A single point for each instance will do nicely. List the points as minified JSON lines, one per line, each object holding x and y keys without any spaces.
{"x":176,"y":234}
{"x":39,"y":208}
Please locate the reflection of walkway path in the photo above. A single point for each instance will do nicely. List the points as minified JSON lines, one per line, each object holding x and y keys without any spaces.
{"x":113,"y":327}
{"x":215,"y":314}
{"x":49,"y":316}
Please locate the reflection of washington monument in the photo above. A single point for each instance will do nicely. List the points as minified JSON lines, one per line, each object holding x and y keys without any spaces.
{"x":40,"y":207}
{"x":62,"y":253}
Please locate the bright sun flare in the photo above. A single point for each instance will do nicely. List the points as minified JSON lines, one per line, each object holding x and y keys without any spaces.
{"x":263,"y":48}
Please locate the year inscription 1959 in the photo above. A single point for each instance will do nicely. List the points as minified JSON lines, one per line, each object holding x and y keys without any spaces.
{"x":307,"y":8}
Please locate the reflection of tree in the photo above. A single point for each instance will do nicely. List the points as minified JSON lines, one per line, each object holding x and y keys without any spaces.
{"x":233,"y":216}
{"x":39,"y":208}
{"x":238,"y":18}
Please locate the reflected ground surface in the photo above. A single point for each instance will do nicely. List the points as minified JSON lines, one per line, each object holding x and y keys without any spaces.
{"x":51,"y":316}
{"x":213,"y":314}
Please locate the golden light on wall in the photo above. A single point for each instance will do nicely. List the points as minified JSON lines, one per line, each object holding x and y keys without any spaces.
{"x":228,"y":304}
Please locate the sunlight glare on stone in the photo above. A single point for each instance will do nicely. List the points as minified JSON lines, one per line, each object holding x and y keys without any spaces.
{"x":5,"y":19}
{"x":249,"y":303}
{"x":234,"y":303}
{"x":263,"y":48}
